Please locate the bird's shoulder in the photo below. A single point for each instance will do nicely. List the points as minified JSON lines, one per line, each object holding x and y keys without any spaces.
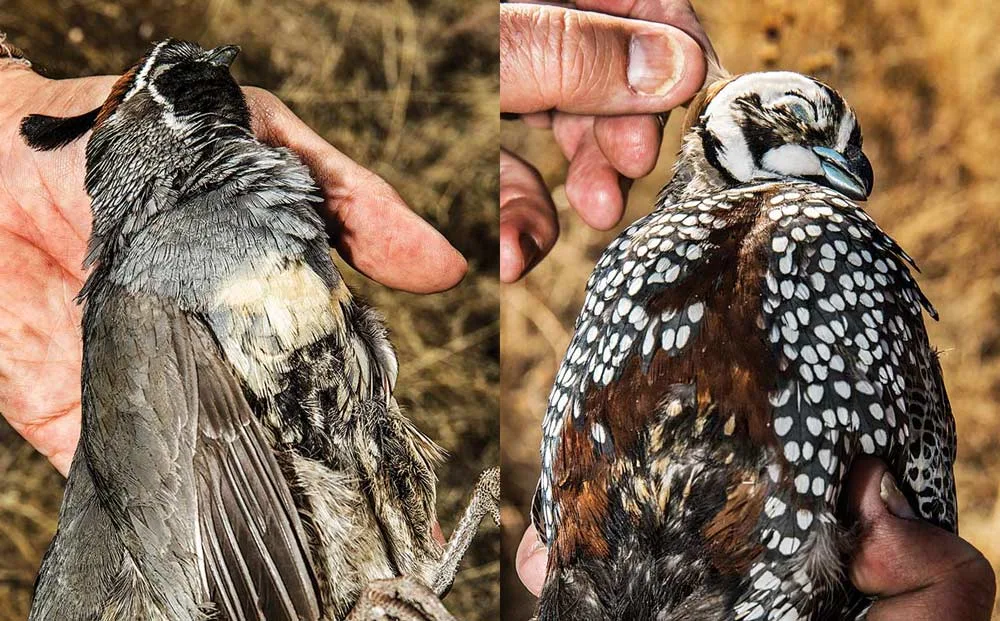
{"x":716,"y":292}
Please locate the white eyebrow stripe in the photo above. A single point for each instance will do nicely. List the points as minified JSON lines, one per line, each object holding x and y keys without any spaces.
{"x":140,"y":78}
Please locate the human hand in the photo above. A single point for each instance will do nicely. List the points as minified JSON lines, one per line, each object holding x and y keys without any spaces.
{"x":45,"y":223}
{"x":918,"y":571}
{"x":597,"y":81}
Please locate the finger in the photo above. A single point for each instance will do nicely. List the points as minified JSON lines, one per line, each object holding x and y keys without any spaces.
{"x":531,"y":561}
{"x":590,"y":63}
{"x":593,"y":187}
{"x":376,"y":232}
{"x":677,"y":13}
{"x":528,"y":223}
{"x":54,"y":437}
{"x":538,"y":120}
{"x":630,"y":143}
{"x":569,"y":130}
{"x":906,"y":561}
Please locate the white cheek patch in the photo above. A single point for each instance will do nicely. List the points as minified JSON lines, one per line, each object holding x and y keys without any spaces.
{"x":734,"y":154}
{"x":792,"y":160}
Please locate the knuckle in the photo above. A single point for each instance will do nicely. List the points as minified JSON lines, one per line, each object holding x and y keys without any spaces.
{"x":565,"y":55}
{"x":525,"y":50}
{"x":518,"y":177}
{"x":548,"y":45}
{"x":586,"y":56}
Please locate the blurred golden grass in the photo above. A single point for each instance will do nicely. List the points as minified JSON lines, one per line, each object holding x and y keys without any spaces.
{"x":409,"y":89}
{"x":924,"y":78}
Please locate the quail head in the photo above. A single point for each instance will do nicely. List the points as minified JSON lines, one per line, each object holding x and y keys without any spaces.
{"x":242,"y":455}
{"x":738,"y":348}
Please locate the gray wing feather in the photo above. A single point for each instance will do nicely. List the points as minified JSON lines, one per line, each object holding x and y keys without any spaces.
{"x":255,"y":550}
{"x":176,"y":506}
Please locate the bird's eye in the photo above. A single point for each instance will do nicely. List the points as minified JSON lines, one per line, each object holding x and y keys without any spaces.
{"x":798,"y":106}
{"x":802,"y":111}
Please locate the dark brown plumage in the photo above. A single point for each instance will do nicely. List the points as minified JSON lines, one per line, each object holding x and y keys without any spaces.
{"x":737,"y":348}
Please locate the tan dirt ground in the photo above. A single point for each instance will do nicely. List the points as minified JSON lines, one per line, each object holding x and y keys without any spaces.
{"x":924,"y":78}
{"x":407,"y":88}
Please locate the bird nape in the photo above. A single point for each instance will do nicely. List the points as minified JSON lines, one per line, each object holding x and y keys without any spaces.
{"x":737,"y":349}
{"x":241,"y":451}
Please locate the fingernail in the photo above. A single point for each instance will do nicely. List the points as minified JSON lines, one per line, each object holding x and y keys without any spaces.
{"x":529,"y":250}
{"x":894,"y":499}
{"x":653,"y":67}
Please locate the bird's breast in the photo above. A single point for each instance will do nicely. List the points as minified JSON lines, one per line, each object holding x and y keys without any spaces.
{"x":264,"y":315}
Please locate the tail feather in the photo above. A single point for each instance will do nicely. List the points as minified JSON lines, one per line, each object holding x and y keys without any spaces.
{"x":47,"y":133}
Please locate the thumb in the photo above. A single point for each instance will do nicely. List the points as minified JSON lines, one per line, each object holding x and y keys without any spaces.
{"x":917,"y":569}
{"x":589,"y":63}
{"x":531,"y":561}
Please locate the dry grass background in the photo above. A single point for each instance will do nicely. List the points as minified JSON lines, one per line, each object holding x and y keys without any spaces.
{"x":409,"y":89}
{"x":924,"y":78}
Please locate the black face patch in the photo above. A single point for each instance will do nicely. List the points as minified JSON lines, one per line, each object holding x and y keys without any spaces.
{"x":833,"y":104}
{"x":199,"y":87}
{"x":856,"y":139}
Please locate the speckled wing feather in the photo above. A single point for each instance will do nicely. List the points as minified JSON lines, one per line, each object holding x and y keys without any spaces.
{"x":165,"y":411}
{"x":844,"y":318}
{"x":733,"y":354}
{"x":856,"y":375}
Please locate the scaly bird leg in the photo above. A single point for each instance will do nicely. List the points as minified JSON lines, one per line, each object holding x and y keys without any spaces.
{"x":406,"y":599}
{"x":398,"y":599}
{"x":485,"y":499}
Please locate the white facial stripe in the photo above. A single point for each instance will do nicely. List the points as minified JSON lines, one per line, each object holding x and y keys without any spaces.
{"x":140,"y":78}
{"x":168,"y":108}
{"x":847,"y":123}
{"x":734,"y":154}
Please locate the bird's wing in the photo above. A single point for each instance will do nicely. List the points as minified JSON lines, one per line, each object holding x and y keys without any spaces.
{"x":395,"y":460}
{"x":188,"y":467}
{"x":929,"y":474}
{"x":844,"y":319}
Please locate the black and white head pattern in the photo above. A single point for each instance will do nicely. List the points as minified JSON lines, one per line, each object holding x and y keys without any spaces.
{"x":188,"y":81}
{"x":782,"y":125}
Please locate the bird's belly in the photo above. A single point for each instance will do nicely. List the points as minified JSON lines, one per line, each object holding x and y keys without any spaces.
{"x":348,"y":551}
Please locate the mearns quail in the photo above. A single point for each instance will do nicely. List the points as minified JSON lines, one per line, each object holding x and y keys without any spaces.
{"x":242,"y":456}
{"x":737,"y":349}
